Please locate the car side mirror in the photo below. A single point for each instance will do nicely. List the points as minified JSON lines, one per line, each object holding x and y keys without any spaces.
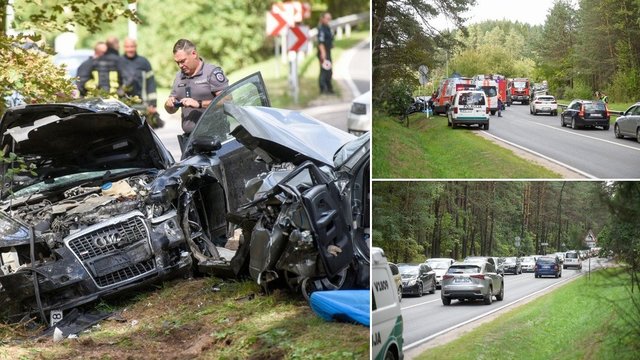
{"x":206,"y":144}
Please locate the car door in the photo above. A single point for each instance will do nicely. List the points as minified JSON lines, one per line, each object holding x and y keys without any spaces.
{"x":631,"y":122}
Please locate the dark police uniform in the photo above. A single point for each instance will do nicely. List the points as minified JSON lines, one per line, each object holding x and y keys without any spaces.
{"x":139,"y":73}
{"x":325,"y":36}
{"x":108,"y":70}
{"x":201,"y":86}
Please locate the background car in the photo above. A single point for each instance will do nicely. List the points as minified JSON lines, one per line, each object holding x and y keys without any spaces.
{"x":417,"y":278}
{"x":359,"y":118}
{"x":528,"y":263}
{"x":544,"y":104}
{"x":548,"y":266}
{"x":560,"y":256}
{"x":469,"y":107}
{"x":512,"y":265}
{"x":386,"y":315}
{"x":472,"y":280}
{"x":72,"y":60}
{"x":572,"y":259}
{"x":586,"y":113}
{"x":397,"y":279}
{"x":440,"y":267}
{"x":629,"y":123}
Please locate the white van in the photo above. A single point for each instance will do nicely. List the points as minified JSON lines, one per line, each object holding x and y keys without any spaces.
{"x":469,"y":107}
{"x":386,"y":316}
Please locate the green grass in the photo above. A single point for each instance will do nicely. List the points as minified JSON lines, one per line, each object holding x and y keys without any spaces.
{"x":431,"y":149}
{"x":577,"y":321}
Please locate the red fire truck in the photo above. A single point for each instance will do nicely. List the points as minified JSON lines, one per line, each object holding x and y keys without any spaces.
{"x":520,"y":89}
{"x":502,"y":89}
{"x":447,"y":90}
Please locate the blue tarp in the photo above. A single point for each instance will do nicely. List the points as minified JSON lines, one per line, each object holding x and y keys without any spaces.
{"x":342,"y":305}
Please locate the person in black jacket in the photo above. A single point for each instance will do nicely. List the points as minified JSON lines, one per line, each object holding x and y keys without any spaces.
{"x":325,"y":43}
{"x":141,"y":81}
{"x":85,"y":69}
{"x":110,"y":69}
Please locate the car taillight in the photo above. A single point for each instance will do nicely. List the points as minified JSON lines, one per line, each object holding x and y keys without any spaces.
{"x":581,"y":113}
{"x":478,"y":276}
{"x":447,"y":277}
{"x":455,"y":109}
{"x":607,"y":108}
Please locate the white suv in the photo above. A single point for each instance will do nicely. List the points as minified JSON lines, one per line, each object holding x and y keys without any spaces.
{"x":386,"y":317}
{"x":469,"y":107}
{"x":544,"y":104}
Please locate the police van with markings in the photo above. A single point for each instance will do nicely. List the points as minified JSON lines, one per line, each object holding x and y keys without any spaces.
{"x":386,"y":316}
{"x":469,"y":107}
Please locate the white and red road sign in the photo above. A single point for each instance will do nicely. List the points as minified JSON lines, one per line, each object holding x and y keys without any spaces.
{"x":297,"y":38}
{"x":275,"y":24}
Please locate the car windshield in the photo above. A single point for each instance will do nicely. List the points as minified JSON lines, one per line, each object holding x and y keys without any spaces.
{"x":490,"y":91}
{"x":438,"y":264}
{"x":571,"y":255}
{"x":463,"y":269}
{"x":595,"y":106}
{"x":408,"y":271}
{"x":471,"y":98}
{"x":510,"y":260}
{"x":528,"y":259}
{"x":546,"y":98}
{"x":520,"y":84}
{"x":546,"y":260}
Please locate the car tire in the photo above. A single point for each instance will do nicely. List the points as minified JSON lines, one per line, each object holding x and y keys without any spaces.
{"x":420,"y":290}
{"x":446,"y":301}
{"x":389,"y":355}
{"x":573,"y":124}
{"x":616,"y":131}
{"x":488,"y":299}
{"x":638,"y":135}
{"x":500,"y":296}
{"x":433,"y":289}
{"x":564,"y":268}
{"x":493,"y":112}
{"x":448,"y":120}
{"x":486,"y":127}
{"x":399,"y":293}
{"x":606,"y":127}
{"x":530,"y":111}
{"x":555,"y":113}
{"x":562,"y":121}
{"x":535,"y":275}
{"x":560,"y":274}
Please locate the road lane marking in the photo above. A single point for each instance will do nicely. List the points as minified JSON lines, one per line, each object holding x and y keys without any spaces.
{"x":567,"y":166}
{"x":431,"y":337}
{"x":416,"y":305}
{"x":343,"y":69}
{"x":588,"y":137}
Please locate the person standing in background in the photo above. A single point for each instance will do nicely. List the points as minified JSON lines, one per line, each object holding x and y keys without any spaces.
{"x":85,"y":69}
{"x":325,"y":43}
{"x":141,"y":81}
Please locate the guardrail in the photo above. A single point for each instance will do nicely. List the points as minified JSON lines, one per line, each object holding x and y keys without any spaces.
{"x":615,"y":112}
{"x":342,"y":25}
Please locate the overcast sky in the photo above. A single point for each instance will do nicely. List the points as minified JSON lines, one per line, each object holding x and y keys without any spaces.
{"x":533,"y":12}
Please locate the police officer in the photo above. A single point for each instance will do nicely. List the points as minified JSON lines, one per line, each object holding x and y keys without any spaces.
{"x":141,"y":81}
{"x":85,"y":69}
{"x":195,"y":85}
{"x":325,"y":43}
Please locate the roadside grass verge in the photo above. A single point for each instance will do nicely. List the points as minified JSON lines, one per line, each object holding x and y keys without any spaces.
{"x":188,"y":319}
{"x":431,"y":149}
{"x":580,"y":320}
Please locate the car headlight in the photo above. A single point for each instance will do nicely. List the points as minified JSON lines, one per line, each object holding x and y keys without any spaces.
{"x":411,"y":282}
{"x":358,"y":109}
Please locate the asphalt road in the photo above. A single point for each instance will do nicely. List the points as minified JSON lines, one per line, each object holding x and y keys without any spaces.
{"x":426,"y":317}
{"x":594,"y":153}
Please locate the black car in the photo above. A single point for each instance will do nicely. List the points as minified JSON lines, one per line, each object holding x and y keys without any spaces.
{"x":102,"y":207}
{"x":586,"y":113}
{"x":417,"y":279}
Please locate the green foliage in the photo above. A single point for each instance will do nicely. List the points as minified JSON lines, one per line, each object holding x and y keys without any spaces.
{"x":395,"y":98}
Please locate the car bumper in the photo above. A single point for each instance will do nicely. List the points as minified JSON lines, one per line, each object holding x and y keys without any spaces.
{"x":592,"y":122}
{"x":358,"y":124}
{"x":510,"y":270}
{"x":545,"y":109}
{"x":527,"y":269}
{"x":464,"y":291}
{"x":547,"y":272}
{"x":519,"y":97}
{"x":410,"y":290}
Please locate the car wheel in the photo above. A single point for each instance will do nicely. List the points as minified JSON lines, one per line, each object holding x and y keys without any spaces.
{"x":616,"y":131}
{"x":389,"y":355}
{"x":530,"y":111}
{"x":420,"y":290}
{"x":562,"y":121}
{"x":573,"y":123}
{"x":560,"y":274}
{"x":500,"y":296}
{"x":433,"y":287}
{"x":564,"y":267}
{"x":535,"y":275}
{"x":606,"y":127}
{"x":486,"y":127}
{"x":488,"y":299}
{"x":446,"y":301}
{"x":638,"y":135}
{"x":399,"y":293}
{"x":493,"y":112}
{"x":448,"y":120}
{"x":555,"y":113}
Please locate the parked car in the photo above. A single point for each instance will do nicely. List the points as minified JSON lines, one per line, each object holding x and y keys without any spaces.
{"x":386,"y":316}
{"x":572,"y":259}
{"x":397,"y":279}
{"x":469,"y":107}
{"x":472,"y":280}
{"x":512,"y":265}
{"x":417,"y":279}
{"x":107,"y":209}
{"x":586,"y":113}
{"x":544,"y":104}
{"x":548,"y":266}
{"x":440,"y":267}
{"x":359,"y":118}
{"x":527,"y":264}
{"x":629,"y":123}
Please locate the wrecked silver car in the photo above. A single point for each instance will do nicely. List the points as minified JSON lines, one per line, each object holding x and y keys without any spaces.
{"x":107,"y":208}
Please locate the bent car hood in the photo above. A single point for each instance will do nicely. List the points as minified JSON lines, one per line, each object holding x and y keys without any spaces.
{"x":284,"y":135}
{"x":88,"y":135}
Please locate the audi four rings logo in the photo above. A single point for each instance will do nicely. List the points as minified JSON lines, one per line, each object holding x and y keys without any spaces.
{"x":106,"y":240}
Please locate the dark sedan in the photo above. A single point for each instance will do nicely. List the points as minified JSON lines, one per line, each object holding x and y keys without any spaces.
{"x":417,"y":279}
{"x":512,"y":265}
{"x":586,"y":113}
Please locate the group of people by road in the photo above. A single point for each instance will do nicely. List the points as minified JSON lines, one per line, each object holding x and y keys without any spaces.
{"x":196,"y":83}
